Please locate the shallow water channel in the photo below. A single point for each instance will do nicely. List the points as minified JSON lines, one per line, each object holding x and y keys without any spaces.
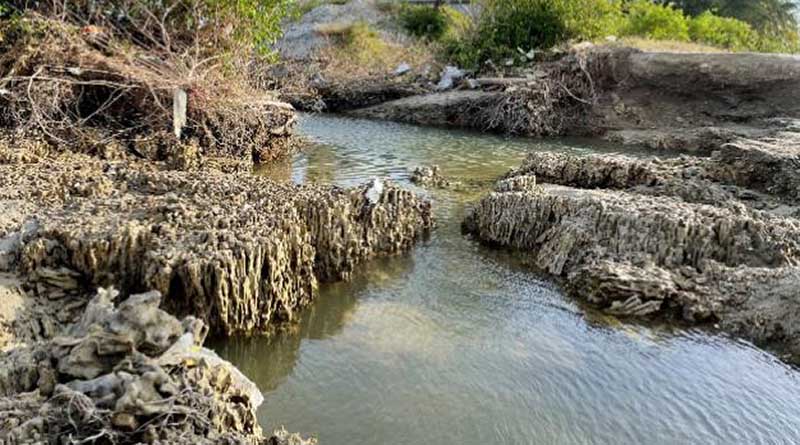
{"x":455,"y":343}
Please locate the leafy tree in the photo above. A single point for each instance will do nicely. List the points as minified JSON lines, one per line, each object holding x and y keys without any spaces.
{"x":723,"y":32}
{"x":656,"y":21}
{"x":761,"y":14}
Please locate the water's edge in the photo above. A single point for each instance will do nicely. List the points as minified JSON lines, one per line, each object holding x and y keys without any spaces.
{"x":457,"y":343}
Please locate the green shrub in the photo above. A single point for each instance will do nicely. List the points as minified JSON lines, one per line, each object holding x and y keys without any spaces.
{"x":5,"y":9}
{"x":527,"y":24}
{"x":656,"y":21}
{"x":423,"y":21}
{"x":778,"y":41}
{"x":722,"y":32}
{"x":508,"y":25}
{"x":458,"y":24}
{"x":593,"y":19}
{"x":257,"y":23}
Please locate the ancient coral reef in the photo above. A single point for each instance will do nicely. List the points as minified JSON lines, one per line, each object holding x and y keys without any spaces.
{"x":127,"y":373}
{"x":712,"y":240}
{"x":239,"y":251}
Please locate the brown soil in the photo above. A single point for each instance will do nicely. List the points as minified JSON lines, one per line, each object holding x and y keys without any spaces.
{"x":673,"y":101}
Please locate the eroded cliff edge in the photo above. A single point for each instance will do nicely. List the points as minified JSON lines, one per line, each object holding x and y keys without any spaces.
{"x":672,"y":101}
{"x":713,"y":240}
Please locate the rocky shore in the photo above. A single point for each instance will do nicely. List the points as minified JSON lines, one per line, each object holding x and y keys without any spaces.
{"x":707,"y":240}
{"x":186,"y":235}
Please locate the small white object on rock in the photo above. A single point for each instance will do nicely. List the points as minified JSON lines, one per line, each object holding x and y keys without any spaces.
{"x":401,"y":69}
{"x":179,"y":102}
{"x":530,"y":55}
{"x":450,"y":76}
{"x":473,"y":84}
{"x":375,"y":191}
{"x":509,"y":62}
{"x":611,"y":39}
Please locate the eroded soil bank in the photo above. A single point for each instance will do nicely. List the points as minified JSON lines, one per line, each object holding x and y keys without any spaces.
{"x":674,"y":101}
{"x":707,"y":240}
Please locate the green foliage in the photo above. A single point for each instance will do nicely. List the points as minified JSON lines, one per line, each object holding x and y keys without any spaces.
{"x":656,"y":21}
{"x":4,"y":9}
{"x":362,"y":43}
{"x":763,"y":15}
{"x":458,"y":24}
{"x":256,"y":23}
{"x":229,"y":26}
{"x":722,"y":32}
{"x":423,"y":21}
{"x":593,"y":19}
{"x":507,"y":25}
{"x":527,"y":24}
{"x":780,"y":41}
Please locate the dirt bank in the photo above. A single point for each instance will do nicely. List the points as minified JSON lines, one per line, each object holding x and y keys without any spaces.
{"x":679,"y":101}
{"x":713,"y":240}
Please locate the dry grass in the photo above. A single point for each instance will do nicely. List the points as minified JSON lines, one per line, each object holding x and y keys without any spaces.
{"x":668,"y":46}
{"x":81,"y":87}
{"x":360,"y":51}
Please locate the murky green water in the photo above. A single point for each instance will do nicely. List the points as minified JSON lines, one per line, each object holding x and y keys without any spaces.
{"x":457,"y":344}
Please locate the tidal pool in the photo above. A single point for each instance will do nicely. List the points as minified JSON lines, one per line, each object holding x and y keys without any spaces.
{"x":455,"y":343}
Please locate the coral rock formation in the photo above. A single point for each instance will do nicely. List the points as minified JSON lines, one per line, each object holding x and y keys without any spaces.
{"x":129,"y":373}
{"x":698,"y":239}
{"x":432,"y":177}
{"x":241,"y":252}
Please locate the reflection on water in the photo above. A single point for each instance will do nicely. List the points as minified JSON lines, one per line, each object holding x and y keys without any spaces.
{"x":455,"y":343}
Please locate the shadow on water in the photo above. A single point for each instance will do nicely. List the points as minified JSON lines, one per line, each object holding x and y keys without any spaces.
{"x":456,"y":343}
{"x":269,"y":360}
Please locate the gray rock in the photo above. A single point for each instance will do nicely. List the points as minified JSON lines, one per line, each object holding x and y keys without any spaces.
{"x":670,"y":238}
{"x":450,"y":77}
{"x":401,"y":69}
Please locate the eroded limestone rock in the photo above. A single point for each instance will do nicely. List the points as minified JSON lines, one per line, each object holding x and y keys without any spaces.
{"x":431,"y":176}
{"x":241,"y":252}
{"x":680,"y":238}
{"x":744,"y":173}
{"x":127,"y":373}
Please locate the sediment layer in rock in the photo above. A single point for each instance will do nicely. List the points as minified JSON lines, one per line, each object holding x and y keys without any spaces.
{"x":757,"y":174}
{"x":455,"y":108}
{"x":671,"y":238}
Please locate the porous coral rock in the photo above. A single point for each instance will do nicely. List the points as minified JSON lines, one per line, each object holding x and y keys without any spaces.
{"x":431,"y":176}
{"x":679,"y":237}
{"x":161,"y":387}
{"x":241,"y":252}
